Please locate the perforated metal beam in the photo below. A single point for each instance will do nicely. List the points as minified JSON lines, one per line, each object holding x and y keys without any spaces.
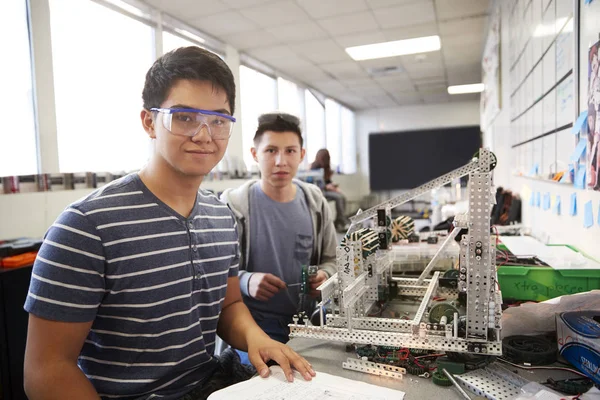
{"x":403,"y":198}
{"x":374,"y":368}
{"x":360,"y":336}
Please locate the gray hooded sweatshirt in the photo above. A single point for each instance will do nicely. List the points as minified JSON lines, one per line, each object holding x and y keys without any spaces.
{"x":324,"y":237}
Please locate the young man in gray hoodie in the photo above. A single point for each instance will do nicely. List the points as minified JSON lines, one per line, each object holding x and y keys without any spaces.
{"x":284,"y":225}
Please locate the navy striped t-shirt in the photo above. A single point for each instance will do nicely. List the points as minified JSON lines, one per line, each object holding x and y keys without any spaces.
{"x":152,"y":282}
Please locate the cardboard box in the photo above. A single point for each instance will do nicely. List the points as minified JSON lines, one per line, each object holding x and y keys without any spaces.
{"x":578,"y":334}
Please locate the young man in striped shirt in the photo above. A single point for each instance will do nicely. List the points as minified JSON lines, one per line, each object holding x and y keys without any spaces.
{"x":134,"y":281}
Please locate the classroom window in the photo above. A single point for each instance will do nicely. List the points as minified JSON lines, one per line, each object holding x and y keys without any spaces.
{"x":100,"y":59}
{"x":291,"y":98}
{"x":315,"y":126}
{"x":18,"y":134}
{"x":172,"y":42}
{"x":333,"y":133}
{"x":348,"y":133}
{"x":258,"y":94}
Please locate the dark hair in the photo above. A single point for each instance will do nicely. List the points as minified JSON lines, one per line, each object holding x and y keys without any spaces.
{"x":278,"y":122}
{"x":193,"y":63}
{"x":593,"y":52}
{"x":323,"y":160}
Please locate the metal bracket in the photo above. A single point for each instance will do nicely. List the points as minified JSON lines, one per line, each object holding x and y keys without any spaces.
{"x":374,"y":368}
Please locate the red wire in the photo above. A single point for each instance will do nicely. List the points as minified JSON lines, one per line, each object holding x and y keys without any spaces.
{"x":431,"y":355}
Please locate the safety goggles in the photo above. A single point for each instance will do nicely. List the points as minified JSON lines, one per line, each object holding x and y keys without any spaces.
{"x":189,"y":121}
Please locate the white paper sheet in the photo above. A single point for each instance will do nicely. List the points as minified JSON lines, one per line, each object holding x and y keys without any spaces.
{"x":322,"y":386}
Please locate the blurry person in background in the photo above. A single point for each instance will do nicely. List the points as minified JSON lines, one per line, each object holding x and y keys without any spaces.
{"x":331,"y":190}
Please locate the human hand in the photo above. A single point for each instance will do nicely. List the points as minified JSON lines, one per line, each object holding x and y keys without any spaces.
{"x":331,"y":187}
{"x":262,"y":286}
{"x":315,"y":281}
{"x":262,"y":349}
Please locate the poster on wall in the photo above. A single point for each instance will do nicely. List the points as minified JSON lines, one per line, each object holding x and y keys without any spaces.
{"x":593,"y":122}
{"x":490,"y":102}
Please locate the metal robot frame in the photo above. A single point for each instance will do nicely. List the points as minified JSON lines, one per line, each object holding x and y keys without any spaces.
{"x":363,"y":273}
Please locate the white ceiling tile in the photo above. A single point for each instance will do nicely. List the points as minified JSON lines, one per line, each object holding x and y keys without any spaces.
{"x":360,"y":39}
{"x":190,"y":9}
{"x":290,"y":63}
{"x":248,"y":40}
{"x":330,"y":85}
{"x":461,"y":55}
{"x":321,"y":51}
{"x":422,"y":58}
{"x":304,"y":40}
{"x":269,"y":15}
{"x":243,"y":3}
{"x":382,"y":62}
{"x":464,"y":74}
{"x":370,"y":91}
{"x":435,"y":87}
{"x":447,"y":9}
{"x":344,"y":69}
{"x":355,"y":83}
{"x":268,"y":53}
{"x":350,"y":98}
{"x":425,"y":65}
{"x":214,"y":24}
{"x":426,"y":71}
{"x":361,"y":104}
{"x":430,"y":81}
{"x":389,"y":3}
{"x":407,"y":98}
{"x":299,"y":32}
{"x":309,"y":75}
{"x":351,"y":23}
{"x":463,"y":26}
{"x":381,"y":101}
{"x":428,"y":29}
{"x":321,"y":9}
{"x":468,"y":40}
{"x":405,"y":15}
{"x":401,"y":82}
{"x":462,"y":49}
{"x":434,"y":98}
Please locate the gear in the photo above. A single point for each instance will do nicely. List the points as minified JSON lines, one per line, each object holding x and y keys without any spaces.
{"x":442,"y":309}
{"x":414,"y":370}
{"x":440,"y":379}
{"x":534,"y":350}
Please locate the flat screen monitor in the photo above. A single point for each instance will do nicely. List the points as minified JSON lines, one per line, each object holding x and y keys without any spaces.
{"x":408,"y":159}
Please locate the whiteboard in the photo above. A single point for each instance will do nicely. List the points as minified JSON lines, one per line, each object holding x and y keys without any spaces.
{"x":565,"y":93}
{"x":564,"y":147}
{"x":549,"y":112}
{"x":542,"y":102}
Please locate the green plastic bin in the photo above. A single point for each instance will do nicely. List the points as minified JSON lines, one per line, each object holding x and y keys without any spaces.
{"x":534,"y":283}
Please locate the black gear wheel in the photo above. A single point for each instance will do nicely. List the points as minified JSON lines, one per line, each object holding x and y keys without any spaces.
{"x":414,"y":370}
{"x":534,"y":350}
